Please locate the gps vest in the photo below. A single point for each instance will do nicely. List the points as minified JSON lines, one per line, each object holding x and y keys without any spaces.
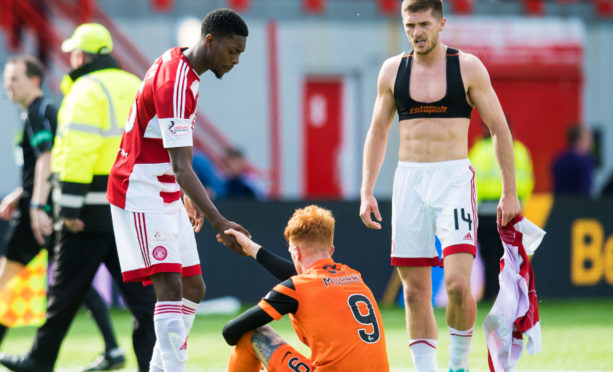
{"x":452,"y":105}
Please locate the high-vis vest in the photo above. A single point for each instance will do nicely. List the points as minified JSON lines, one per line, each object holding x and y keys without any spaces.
{"x":90,"y":124}
{"x":487,"y":174}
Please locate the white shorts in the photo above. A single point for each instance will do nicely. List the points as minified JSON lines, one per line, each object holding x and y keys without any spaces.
{"x":437,"y":198}
{"x":151,"y":243}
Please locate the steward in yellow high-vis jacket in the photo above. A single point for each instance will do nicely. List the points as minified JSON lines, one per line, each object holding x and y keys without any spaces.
{"x":98,"y":97}
{"x":488,"y":179}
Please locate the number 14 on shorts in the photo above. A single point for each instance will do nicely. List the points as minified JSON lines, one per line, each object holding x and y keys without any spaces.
{"x":465,"y":216}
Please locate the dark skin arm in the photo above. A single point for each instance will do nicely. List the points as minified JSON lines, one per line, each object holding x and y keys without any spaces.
{"x":181,"y":160}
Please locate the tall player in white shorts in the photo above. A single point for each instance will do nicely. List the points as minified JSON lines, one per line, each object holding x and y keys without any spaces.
{"x":153,"y":228}
{"x":428,"y":199}
{"x":434,"y":89}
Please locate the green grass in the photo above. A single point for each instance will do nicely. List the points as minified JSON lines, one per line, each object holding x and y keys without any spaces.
{"x":576,"y":336}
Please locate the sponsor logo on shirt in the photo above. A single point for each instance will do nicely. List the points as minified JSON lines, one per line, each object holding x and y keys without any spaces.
{"x":157,"y":237}
{"x":179,"y":129}
{"x":428,"y":109}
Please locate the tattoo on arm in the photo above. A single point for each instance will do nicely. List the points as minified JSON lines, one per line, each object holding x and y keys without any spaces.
{"x":265,"y":341}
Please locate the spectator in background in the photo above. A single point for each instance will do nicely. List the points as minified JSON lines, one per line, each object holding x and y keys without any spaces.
{"x":573,"y":169}
{"x":238,"y":183}
{"x":234,"y":181}
{"x":489,"y":188}
{"x":210,"y":175}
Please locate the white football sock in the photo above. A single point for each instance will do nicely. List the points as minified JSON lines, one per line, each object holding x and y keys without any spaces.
{"x":189,"y":313}
{"x":171,"y":335}
{"x":156,"y":359}
{"x":459,"y":348}
{"x":423,"y":351}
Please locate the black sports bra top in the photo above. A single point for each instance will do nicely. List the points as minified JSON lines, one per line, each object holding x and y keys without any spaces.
{"x":452,"y":105}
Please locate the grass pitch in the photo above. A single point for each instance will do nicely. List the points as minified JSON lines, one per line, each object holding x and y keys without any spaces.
{"x":577,"y":336}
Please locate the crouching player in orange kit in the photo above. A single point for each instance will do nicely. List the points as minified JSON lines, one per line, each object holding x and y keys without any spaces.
{"x":332,"y":310}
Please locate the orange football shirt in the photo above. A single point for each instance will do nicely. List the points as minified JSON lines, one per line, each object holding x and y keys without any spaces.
{"x":337,"y":318}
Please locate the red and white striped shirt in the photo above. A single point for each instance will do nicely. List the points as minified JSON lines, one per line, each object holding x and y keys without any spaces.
{"x":515,"y":312}
{"x":162,"y":116}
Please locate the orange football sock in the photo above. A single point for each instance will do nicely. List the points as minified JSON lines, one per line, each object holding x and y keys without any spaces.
{"x":242,"y":358}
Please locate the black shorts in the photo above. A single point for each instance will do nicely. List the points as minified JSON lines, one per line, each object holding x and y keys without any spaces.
{"x":19,"y":242}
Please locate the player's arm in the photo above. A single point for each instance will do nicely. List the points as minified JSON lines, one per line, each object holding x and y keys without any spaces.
{"x":273,"y":306}
{"x":484,"y":97}
{"x":376,"y":142}
{"x":39,"y":217}
{"x":42,"y":142}
{"x":176,"y":128}
{"x":281,"y":268}
{"x":181,"y":160}
{"x":251,"y":319}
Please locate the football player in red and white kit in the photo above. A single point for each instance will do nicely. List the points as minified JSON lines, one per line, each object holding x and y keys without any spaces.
{"x":153,"y":228}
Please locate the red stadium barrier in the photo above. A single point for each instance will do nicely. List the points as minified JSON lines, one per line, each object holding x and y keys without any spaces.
{"x":162,"y":6}
{"x":604,"y":8}
{"x":462,"y":6}
{"x":388,"y":7}
{"x":534,"y":7}
{"x":314,"y":6}
{"x":85,"y":10}
{"x":240,"y":6}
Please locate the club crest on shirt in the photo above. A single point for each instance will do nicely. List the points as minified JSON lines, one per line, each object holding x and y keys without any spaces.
{"x":159,"y":253}
{"x":179,"y":129}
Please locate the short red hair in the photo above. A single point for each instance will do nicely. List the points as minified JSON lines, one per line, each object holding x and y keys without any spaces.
{"x":311,"y":224}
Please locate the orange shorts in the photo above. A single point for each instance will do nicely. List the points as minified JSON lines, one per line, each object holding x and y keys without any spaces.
{"x":287,"y":359}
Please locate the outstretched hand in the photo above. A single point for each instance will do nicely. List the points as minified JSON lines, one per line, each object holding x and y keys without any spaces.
{"x":249,"y":247}
{"x":230,"y":240}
